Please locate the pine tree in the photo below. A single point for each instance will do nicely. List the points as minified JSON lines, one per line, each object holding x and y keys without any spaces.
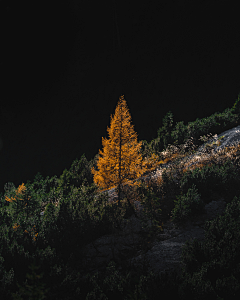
{"x":120,"y":161}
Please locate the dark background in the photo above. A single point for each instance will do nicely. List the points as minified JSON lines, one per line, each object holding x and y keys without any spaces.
{"x":64,"y":66}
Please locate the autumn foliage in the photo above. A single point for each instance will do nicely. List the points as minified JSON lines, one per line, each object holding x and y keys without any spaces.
{"x":21,"y":202}
{"x":120,"y":161}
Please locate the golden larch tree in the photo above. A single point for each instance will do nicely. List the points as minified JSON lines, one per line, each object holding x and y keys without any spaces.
{"x":120,"y":161}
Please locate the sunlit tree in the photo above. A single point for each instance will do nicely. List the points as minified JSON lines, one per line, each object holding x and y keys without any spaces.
{"x":120,"y":161}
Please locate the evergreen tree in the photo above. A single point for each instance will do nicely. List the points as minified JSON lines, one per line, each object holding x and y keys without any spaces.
{"x":164,"y":133}
{"x":120,"y":161}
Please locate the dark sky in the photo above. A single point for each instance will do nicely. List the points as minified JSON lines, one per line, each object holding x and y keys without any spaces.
{"x":64,"y":66}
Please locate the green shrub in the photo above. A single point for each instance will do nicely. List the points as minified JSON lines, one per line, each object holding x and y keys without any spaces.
{"x":79,"y":173}
{"x":50,"y":213}
{"x":212,"y":180}
{"x":7,"y":281}
{"x":132,"y":283}
{"x":187,"y":206}
{"x":164,"y":133}
{"x":82,"y":217}
{"x":44,"y":190}
{"x":151,"y":203}
{"x":179,"y":134}
{"x":33,"y":288}
{"x":212,"y":267}
{"x":236,"y":106}
{"x":38,"y":185}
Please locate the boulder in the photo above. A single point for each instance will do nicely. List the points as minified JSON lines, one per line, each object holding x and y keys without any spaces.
{"x":165,"y":254}
{"x":162,"y":253}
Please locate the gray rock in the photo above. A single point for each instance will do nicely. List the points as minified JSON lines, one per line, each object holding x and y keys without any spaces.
{"x":165,"y":254}
{"x":118,"y":245}
{"x":231,"y":137}
{"x":165,"y":251}
{"x":227,"y":138}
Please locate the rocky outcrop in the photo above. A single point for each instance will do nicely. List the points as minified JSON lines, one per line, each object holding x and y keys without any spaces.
{"x":166,"y":250}
{"x":161,"y":254}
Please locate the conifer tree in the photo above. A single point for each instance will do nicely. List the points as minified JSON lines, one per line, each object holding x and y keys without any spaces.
{"x":120,"y":161}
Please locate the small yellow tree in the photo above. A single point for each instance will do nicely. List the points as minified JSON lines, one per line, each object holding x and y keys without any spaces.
{"x":120,"y":161}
